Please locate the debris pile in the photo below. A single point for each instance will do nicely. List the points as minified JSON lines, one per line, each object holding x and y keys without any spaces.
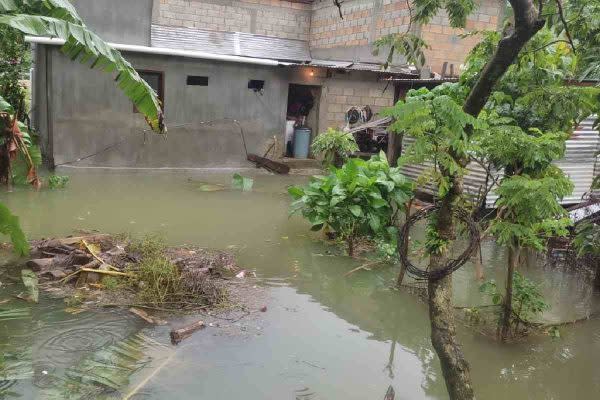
{"x":182,"y":277}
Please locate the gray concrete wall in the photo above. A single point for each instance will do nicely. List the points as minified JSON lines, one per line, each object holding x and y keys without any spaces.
{"x":88,"y":115}
{"x":118,"y":21}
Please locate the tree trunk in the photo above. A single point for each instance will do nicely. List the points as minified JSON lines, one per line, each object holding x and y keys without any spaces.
{"x":443,"y":336}
{"x":479,"y":275}
{"x":513,"y":261}
{"x":404,"y":246}
{"x":441,"y":314}
{"x":527,"y":24}
{"x":350,"y":243}
{"x":394,"y":150}
{"x":597,"y":280}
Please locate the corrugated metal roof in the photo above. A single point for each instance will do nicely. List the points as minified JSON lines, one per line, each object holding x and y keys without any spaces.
{"x":230,"y":43}
{"x":580,"y":163}
{"x":363,"y":66}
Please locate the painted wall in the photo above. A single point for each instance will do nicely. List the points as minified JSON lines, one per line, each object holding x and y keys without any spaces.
{"x":118,"y":21}
{"x":89,"y":115}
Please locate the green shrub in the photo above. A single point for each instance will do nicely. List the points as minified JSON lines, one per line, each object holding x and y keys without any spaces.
{"x":527,"y":300}
{"x":361,"y":198}
{"x":334,"y":146}
{"x":57,"y":181}
{"x":156,"y":277}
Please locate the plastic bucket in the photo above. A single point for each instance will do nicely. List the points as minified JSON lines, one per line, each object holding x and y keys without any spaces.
{"x":301,"y":142}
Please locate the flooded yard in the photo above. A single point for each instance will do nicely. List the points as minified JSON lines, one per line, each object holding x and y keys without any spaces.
{"x":324,"y":336}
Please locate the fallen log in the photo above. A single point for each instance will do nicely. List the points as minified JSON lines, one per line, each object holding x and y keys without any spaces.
{"x":177,"y":335}
{"x":269,"y":165}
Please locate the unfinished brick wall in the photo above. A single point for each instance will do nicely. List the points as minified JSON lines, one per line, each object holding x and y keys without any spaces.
{"x":277,"y":18}
{"x":367,"y":20}
{"x":343,"y":94}
{"x":364,"y":21}
{"x":447,"y":45}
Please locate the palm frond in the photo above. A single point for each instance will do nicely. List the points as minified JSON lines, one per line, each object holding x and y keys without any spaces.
{"x":84,"y":45}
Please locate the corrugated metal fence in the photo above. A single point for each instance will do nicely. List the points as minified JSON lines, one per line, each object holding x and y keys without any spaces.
{"x":580,"y":163}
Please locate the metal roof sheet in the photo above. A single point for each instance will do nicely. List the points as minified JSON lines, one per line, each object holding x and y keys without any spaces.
{"x":230,"y":43}
{"x":363,"y":66}
{"x":580,"y":163}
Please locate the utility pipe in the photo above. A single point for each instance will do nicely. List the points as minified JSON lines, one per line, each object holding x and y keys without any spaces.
{"x":165,"y":52}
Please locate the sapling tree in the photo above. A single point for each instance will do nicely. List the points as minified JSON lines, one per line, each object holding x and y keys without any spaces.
{"x":530,"y":115}
{"x":528,"y":18}
{"x":359,"y":199}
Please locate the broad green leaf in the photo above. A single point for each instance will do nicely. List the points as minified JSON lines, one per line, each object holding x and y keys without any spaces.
{"x":83,"y":44}
{"x":355,"y":210}
{"x":9,"y":225}
{"x":242,"y":183}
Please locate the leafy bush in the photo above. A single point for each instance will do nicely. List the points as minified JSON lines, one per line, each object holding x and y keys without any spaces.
{"x":587,"y":239}
{"x":334,"y":146}
{"x":360,"y":198}
{"x":57,"y":181}
{"x":527,"y":299}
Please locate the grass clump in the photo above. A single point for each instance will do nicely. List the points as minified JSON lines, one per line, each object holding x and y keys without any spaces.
{"x":157,"y":278}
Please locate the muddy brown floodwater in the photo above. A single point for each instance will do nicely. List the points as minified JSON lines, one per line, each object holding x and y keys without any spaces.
{"x":323,"y":336}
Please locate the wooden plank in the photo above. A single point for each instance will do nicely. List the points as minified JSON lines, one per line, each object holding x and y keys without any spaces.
{"x":269,"y":165}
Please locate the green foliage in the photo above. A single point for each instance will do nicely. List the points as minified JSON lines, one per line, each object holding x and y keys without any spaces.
{"x":14,"y":63}
{"x":439,"y":127}
{"x":406,"y":44}
{"x":155,"y":276}
{"x":111,"y":283}
{"x":57,"y":181}
{"x":457,"y":10}
{"x":587,"y":239}
{"x":531,"y":211}
{"x":58,"y":19}
{"x":358,"y":199}
{"x":527,"y":300}
{"x":242,"y":183}
{"x":582,"y":17}
{"x":334,"y":145}
{"x":9,"y":225}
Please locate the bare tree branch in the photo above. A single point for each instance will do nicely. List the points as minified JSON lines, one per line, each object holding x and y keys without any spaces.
{"x":564,"y":22}
{"x":527,"y":23}
{"x":338,"y":4}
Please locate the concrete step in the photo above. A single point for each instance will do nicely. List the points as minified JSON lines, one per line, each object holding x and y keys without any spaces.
{"x":302,"y":163}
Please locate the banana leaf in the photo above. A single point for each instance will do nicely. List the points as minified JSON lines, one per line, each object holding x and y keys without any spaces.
{"x":104,"y":372}
{"x":58,"y":19}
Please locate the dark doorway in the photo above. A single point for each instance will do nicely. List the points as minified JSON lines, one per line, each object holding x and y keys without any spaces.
{"x":303,"y":109}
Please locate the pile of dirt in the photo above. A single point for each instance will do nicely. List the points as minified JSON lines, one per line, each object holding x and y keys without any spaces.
{"x":124,"y":271}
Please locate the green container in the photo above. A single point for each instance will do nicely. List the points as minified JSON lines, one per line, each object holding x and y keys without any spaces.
{"x":301,"y":142}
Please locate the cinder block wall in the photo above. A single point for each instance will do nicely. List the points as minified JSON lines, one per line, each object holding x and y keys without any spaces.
{"x":364,"y":21}
{"x":275,"y":18}
{"x":445,"y":42}
{"x":367,"y":20}
{"x":341,"y":94}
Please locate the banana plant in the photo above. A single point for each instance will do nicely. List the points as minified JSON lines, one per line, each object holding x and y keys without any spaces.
{"x":59,"y":19}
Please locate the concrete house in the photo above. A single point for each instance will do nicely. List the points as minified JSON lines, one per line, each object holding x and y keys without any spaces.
{"x":228,"y":70}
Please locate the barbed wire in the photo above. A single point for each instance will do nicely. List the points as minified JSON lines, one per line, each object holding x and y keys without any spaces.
{"x":453,"y":264}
